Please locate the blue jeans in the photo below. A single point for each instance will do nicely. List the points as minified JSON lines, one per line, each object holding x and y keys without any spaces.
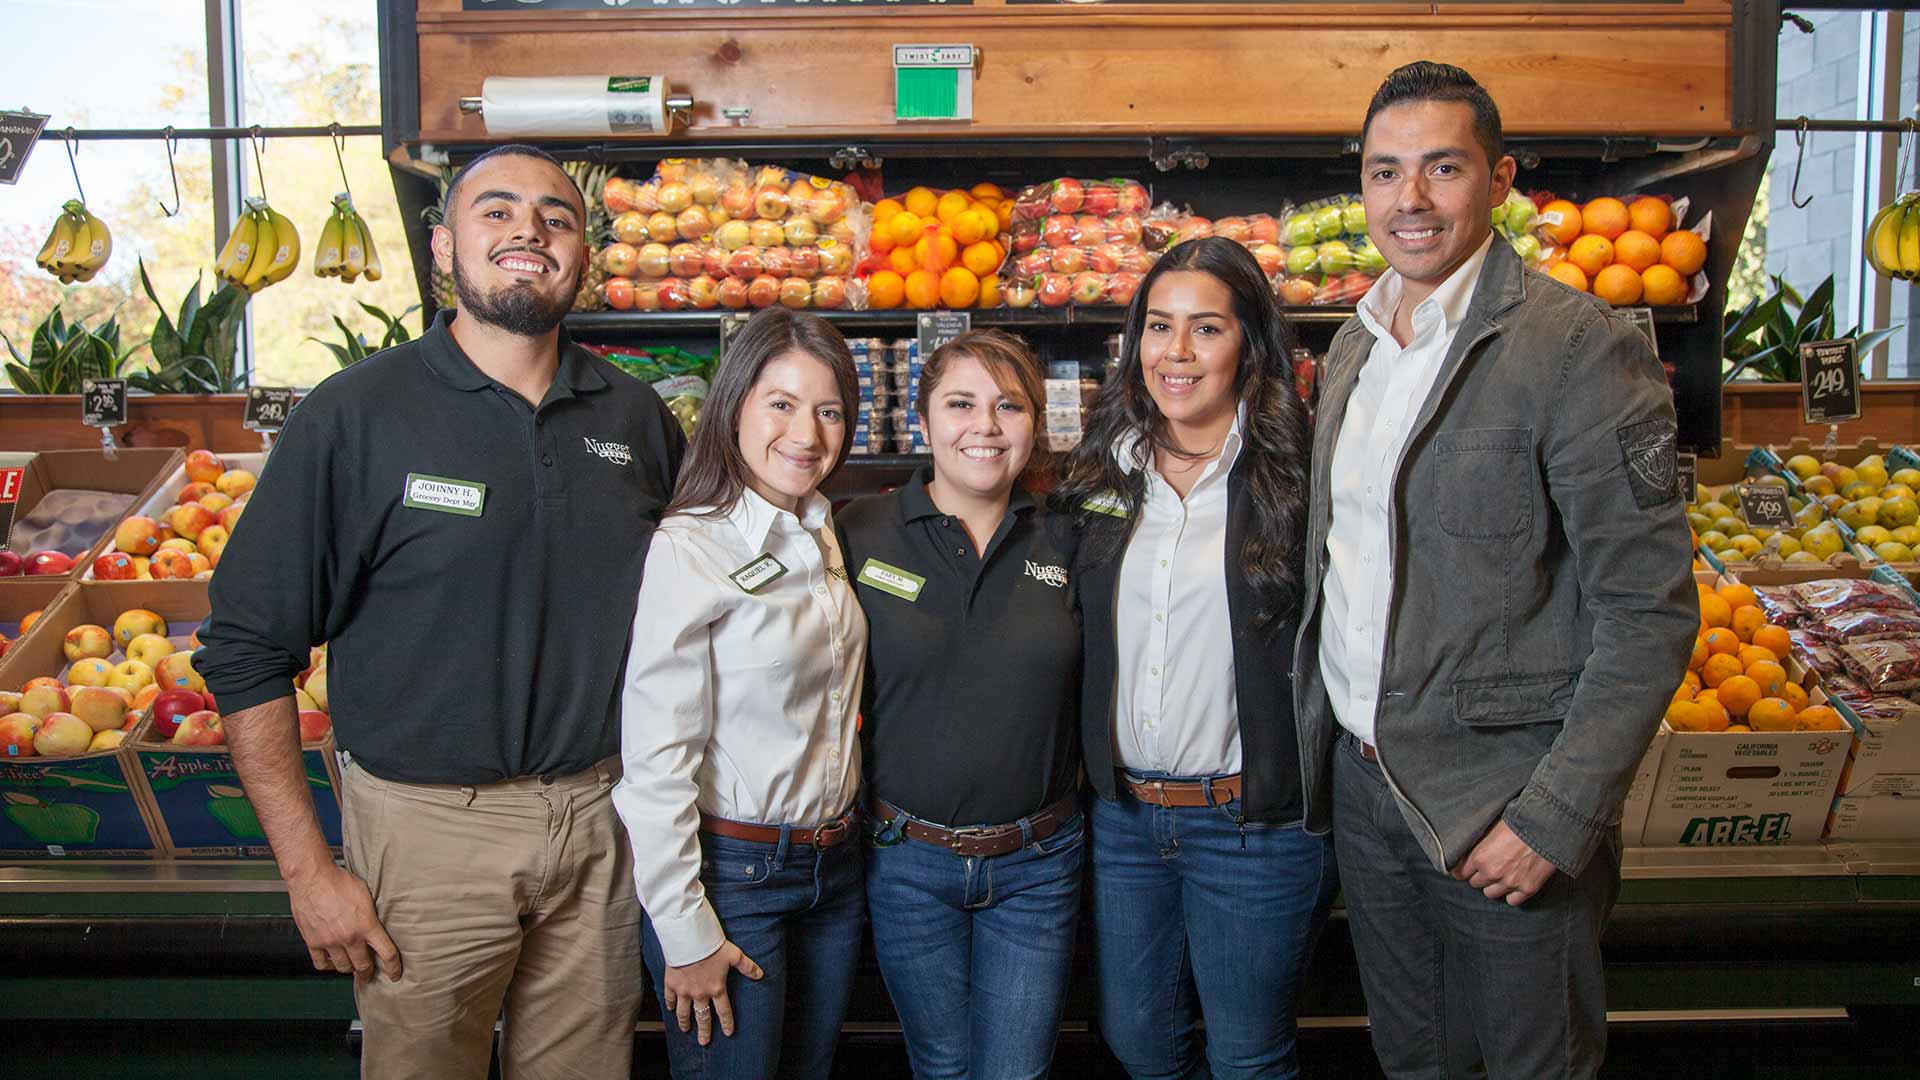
{"x":976,"y":951}
{"x":798,"y":912}
{"x":1194,"y":917}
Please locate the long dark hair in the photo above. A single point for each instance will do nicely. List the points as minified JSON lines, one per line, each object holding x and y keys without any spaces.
{"x":1275,"y":444}
{"x":715,"y":474}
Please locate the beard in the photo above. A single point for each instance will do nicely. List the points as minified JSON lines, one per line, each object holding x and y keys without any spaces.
{"x":516,"y":309}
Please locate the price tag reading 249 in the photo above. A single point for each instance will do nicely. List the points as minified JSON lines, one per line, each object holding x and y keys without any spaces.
{"x":1765,"y":506}
{"x":1829,"y":382}
{"x":267,"y":408}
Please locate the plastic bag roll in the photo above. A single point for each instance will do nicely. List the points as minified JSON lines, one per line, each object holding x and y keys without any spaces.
{"x":575,"y":105}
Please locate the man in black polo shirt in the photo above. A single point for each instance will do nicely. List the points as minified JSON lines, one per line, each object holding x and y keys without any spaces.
{"x":463,"y":520}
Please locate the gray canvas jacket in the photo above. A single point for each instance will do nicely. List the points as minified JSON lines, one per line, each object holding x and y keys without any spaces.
{"x":1542,"y":602}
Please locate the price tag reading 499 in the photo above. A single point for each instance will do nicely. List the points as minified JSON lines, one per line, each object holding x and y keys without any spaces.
{"x":267,"y":408}
{"x":1829,"y":382}
{"x":1765,"y":506}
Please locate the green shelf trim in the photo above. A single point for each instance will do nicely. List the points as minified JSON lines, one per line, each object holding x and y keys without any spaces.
{"x":54,"y":998}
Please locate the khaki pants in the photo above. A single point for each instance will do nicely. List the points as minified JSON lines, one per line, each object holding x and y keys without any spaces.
{"x":518,"y":894}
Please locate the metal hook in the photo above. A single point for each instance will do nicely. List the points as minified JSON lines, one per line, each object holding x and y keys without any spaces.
{"x":173,"y":143}
{"x":1799,"y":141}
{"x":340,"y":145}
{"x":259,"y":173}
{"x":73,"y":141}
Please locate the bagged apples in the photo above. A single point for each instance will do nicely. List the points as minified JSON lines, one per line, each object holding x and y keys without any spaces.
{"x":1329,"y":257}
{"x":938,"y":249}
{"x":1078,"y":241}
{"x":706,"y":233}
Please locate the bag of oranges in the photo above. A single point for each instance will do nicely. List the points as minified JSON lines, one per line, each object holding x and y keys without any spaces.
{"x":938,"y":249}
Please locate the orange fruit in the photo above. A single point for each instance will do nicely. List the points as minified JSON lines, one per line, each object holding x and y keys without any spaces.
{"x":973,"y":226}
{"x":1722,"y":640}
{"x":1561,"y":220}
{"x":990,"y":291}
{"x":1750,"y":655}
{"x":959,"y":288}
{"x":1618,"y":285}
{"x":1775,"y":640}
{"x":1662,"y":286}
{"x":1819,"y":718}
{"x":1715,"y":612}
{"x":981,"y":257}
{"x":1683,"y":251}
{"x":935,"y":252}
{"x":1748,"y":621}
{"x":985,"y":190}
{"x":1606,"y":217}
{"x":1737,"y":595}
{"x":921,"y":201}
{"x":1771,"y":677}
{"x":1592,"y":253}
{"x":1739,"y":729}
{"x":881,"y":241}
{"x":903,"y":260}
{"x":1685,"y":692}
{"x":1738,"y":695}
{"x":1569,"y":275}
{"x":1717,"y":718}
{"x":904,"y":227}
{"x":952,"y":205}
{"x":1004,"y":212}
{"x":1686,"y":716}
{"x":1650,"y":215}
{"x":1636,"y":249}
{"x":1794,"y":695}
{"x":1770,"y":714}
{"x":886,"y":289}
{"x":1692,"y":679}
{"x":1718,"y":669}
{"x":922,"y":290}
{"x":886,"y":208}
{"x":1699,"y":658}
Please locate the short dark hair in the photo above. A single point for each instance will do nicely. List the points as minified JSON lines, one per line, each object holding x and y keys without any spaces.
{"x":509,"y":150}
{"x":1014,"y":369}
{"x":1425,"y":80}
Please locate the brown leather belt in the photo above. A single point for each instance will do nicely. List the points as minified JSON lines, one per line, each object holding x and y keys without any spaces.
{"x":837,"y":831}
{"x":1182,"y":792}
{"x":985,"y":842}
{"x":1367,"y":752}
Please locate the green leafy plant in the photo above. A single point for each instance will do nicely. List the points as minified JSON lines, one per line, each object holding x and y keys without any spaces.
{"x":355,"y":347}
{"x":193,"y":352}
{"x":63,"y":354}
{"x":1762,"y":340}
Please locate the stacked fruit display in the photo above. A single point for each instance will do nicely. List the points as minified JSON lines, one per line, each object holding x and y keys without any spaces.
{"x":34,"y":564}
{"x":1880,"y":511}
{"x":1720,"y":529}
{"x":77,"y":246}
{"x":345,"y":250}
{"x":713,"y":233}
{"x":1078,"y":241}
{"x":1625,"y":253}
{"x":187,"y":540}
{"x":1329,"y":257}
{"x":933,"y":249}
{"x":1737,"y":678}
{"x":262,"y":248}
{"x":1861,"y":637}
{"x":1892,"y":239}
{"x":113,"y":677}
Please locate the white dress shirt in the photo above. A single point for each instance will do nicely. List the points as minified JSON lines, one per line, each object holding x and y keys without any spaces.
{"x":742,"y":705}
{"x":1175,"y":709}
{"x":1387,"y":398}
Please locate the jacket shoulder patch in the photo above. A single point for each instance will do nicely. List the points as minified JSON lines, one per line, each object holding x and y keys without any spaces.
{"x":1648,"y":450}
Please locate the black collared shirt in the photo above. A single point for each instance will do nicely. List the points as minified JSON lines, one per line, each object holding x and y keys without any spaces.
{"x":471,"y":561}
{"x":970,"y":708}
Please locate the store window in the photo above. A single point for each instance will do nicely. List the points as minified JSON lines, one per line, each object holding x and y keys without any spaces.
{"x":159,"y":77}
{"x":314,"y":65}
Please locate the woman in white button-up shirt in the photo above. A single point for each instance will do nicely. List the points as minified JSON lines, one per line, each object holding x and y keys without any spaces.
{"x":1190,"y":490}
{"x":739,"y":726}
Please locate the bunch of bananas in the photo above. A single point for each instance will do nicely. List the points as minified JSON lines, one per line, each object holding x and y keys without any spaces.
{"x":346,"y":245}
{"x":1893,"y":238}
{"x":77,"y":246}
{"x":263,"y":248}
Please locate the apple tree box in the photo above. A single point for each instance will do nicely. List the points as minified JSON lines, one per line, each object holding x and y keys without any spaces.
{"x":135,"y":473}
{"x":200,"y":809}
{"x":84,"y":805}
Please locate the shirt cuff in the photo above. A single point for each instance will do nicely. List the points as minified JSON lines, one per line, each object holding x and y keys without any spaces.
{"x":1553,"y":830}
{"x":233,"y":701}
{"x":690,"y":938}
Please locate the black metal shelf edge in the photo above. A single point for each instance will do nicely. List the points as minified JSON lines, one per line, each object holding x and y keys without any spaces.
{"x":887,"y":461}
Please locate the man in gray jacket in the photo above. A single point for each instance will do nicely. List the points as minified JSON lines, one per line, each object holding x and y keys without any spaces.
{"x":1499,"y":607}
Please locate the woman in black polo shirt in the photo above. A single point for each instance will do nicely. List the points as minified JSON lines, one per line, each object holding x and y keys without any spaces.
{"x":1190,"y":492}
{"x":972,"y":685}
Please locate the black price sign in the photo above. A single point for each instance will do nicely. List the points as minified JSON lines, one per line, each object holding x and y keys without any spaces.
{"x":1765,"y":506}
{"x":267,"y":408}
{"x":11,"y":481}
{"x":1686,"y":468}
{"x":1829,"y":382}
{"x":18,"y":132}
{"x":939,"y":327}
{"x":729,"y":326}
{"x":103,"y":402}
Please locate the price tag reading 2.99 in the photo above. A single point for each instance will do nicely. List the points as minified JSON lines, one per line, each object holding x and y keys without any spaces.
{"x":103,"y":402}
{"x":1765,"y":506}
{"x":267,"y":408}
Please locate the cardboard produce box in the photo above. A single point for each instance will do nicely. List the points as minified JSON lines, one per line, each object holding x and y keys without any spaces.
{"x":162,"y":498}
{"x":1879,"y":793}
{"x":1639,"y":802}
{"x":200,"y":809}
{"x":130,"y":473}
{"x":24,"y":598}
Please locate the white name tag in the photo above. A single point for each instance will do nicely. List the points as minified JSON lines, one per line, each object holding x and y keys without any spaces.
{"x":758,"y":574}
{"x":446,"y":495}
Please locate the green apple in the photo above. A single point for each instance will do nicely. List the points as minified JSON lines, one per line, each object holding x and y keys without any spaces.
{"x":1328,"y":222}
{"x":52,"y":823}
{"x":229,"y":807}
{"x":1520,"y":214}
{"x":1353,"y":218}
{"x":1302,"y":260}
{"x":1525,"y":246}
{"x":1300,"y":231}
{"x":1336,"y":258}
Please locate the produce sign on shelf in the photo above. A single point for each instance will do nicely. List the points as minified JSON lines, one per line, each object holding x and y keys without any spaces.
{"x":1765,"y":506}
{"x":704,"y":5}
{"x":939,"y":327}
{"x":729,"y":326}
{"x":933,"y":82}
{"x":267,"y":408}
{"x":103,"y":402}
{"x":1643,"y":321}
{"x":18,"y":133}
{"x":1829,"y":382}
{"x":1686,"y":468}
{"x":10,"y":483}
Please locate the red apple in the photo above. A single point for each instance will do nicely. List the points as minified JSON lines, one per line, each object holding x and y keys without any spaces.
{"x":16,"y":735}
{"x":763,"y":291}
{"x":1060,"y":231}
{"x":1262,"y":229}
{"x":1069,"y":260}
{"x":806,"y":262}
{"x":1031,"y":265}
{"x":621,"y":260}
{"x":1105,"y":259}
{"x":745,"y":263}
{"x":1089,"y":288}
{"x":686,"y":260}
{"x":190,"y":518}
{"x":11,"y":564}
{"x":48,"y":564}
{"x":737,"y":200}
{"x":1054,"y":289}
{"x":1102,"y":200}
{"x":169,"y":706}
{"x":1121,"y":287}
{"x":703,"y":293}
{"x":619,"y":292}
{"x":1133,"y":198}
{"x":655,"y":260}
{"x":796,"y":292}
{"x":1123,"y":229}
{"x":204,"y":467}
{"x":1233,"y":228}
{"x":1067,"y":197}
{"x":314,"y":725}
{"x":673,"y":294}
{"x":1025,"y":240}
{"x":176,"y":672}
{"x":771,"y":203}
{"x":733,"y":293}
{"x":102,"y":708}
{"x":693,"y":224}
{"x":115,"y":566}
{"x":1271,"y":257}
{"x":830,"y":293}
{"x":777,"y":262}
{"x":171,"y":564}
{"x":62,"y":734}
{"x":201,"y":728}
{"x":140,"y":535}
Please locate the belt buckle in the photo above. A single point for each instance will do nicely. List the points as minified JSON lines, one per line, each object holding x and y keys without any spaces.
{"x":832,"y":833}
{"x":957,"y":837}
{"x":1160,"y":789}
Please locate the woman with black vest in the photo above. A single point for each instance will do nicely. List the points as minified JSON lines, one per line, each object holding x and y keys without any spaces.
{"x":1190,"y":495}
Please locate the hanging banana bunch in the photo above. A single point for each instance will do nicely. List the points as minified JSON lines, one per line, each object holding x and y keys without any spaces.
{"x":346,"y":247}
{"x":263,"y":248}
{"x":1893,"y":239}
{"x":77,"y":246}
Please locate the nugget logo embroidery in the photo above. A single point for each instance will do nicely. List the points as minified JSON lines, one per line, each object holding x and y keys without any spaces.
{"x":1055,"y":576}
{"x":1648,"y":449}
{"x":618,"y":453}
